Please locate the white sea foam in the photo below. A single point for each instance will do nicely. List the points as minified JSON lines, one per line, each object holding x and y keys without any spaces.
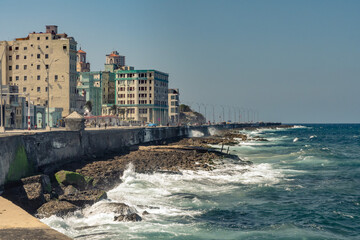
{"x":196,"y":133}
{"x":296,"y":139}
{"x":299,"y":126}
{"x":213,"y":131}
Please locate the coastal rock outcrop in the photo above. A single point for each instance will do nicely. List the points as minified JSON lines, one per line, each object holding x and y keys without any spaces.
{"x":81,"y":198}
{"x":133,"y":217}
{"x":65,"y":178}
{"x":55,"y":207}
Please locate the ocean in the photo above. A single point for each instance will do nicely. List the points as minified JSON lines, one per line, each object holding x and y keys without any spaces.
{"x":304,"y":183}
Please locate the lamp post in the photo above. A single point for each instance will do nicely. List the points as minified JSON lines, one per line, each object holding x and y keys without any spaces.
{"x":47,"y":67}
{"x":2,"y":127}
{"x":223,"y":112}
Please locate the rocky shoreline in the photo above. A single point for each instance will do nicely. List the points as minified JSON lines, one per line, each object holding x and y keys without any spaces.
{"x":86,"y":181}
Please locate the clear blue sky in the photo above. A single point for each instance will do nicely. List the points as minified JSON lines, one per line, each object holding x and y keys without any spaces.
{"x":293,"y":61}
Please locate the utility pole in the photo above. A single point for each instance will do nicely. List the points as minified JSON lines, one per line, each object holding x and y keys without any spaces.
{"x":2,"y":126}
{"x":47,"y":67}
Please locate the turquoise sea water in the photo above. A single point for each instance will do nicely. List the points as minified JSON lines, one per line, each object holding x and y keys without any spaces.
{"x":304,"y":184}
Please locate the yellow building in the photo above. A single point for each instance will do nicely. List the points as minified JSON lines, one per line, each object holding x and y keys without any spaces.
{"x":28,"y":63}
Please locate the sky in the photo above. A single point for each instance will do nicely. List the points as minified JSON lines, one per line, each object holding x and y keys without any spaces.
{"x":288,"y":61}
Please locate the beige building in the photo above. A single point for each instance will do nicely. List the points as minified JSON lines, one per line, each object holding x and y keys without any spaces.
{"x":174,"y":103}
{"x":28,"y":62}
{"x":142,"y":95}
{"x":81,"y":64}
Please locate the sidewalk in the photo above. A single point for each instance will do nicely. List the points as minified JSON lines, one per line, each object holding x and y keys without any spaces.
{"x":16,"y":224}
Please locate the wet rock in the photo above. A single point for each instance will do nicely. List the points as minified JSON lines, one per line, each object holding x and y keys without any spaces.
{"x":133,"y":217}
{"x":55,"y":207}
{"x":71,"y":178}
{"x":70,"y":190}
{"x":111,"y":207}
{"x":82,"y":198}
{"x":145,"y":213}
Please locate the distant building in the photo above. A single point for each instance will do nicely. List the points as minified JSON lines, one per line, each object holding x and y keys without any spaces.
{"x":114,"y":61}
{"x":28,"y":62}
{"x":89,"y":86}
{"x":174,"y":103}
{"x":81,"y":64}
{"x":142,"y":95}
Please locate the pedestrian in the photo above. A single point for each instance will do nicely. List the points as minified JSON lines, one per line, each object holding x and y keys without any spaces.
{"x":105,"y":125}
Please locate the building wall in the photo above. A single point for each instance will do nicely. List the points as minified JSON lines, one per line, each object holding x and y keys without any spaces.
{"x":28,"y":61}
{"x":90,"y":82}
{"x":174,"y":102}
{"x":143,"y":94}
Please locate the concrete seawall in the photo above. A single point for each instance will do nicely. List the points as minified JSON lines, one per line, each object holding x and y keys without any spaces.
{"x":27,"y":154}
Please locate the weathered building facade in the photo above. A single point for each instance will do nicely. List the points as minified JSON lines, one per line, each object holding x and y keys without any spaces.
{"x":31,"y":61}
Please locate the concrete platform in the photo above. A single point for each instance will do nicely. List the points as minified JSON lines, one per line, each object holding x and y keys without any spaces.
{"x":17,"y":224}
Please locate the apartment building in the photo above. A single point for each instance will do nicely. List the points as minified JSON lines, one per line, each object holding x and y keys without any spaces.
{"x":174,"y":103}
{"x":142,"y":95}
{"x":89,"y":86}
{"x":28,"y":62}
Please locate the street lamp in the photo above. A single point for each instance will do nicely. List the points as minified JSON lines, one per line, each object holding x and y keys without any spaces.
{"x":2,"y":127}
{"x":47,"y":67}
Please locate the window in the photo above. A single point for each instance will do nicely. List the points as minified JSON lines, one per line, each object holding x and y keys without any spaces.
{"x":10,"y":68}
{"x":47,"y":38}
{"x":10,"y":79}
{"x":25,"y":67}
{"x":24,"y":89}
{"x":10,"y":48}
{"x":25,"y":48}
{"x":38,"y":89}
{"x":46,"y":89}
{"x":64,"y":47}
{"x":17,"y":78}
{"x":10,"y":58}
{"x":47,"y":46}
{"x":46,"y":56}
{"x":47,"y":66}
{"x":38,"y":67}
{"x":24,"y":56}
{"x":16,"y":48}
{"x":25,"y":78}
{"x":56,"y":77}
{"x":17,"y":57}
{"x":38,"y":56}
{"x":38,"y":38}
{"x":17,"y":67}
{"x":38,"y":77}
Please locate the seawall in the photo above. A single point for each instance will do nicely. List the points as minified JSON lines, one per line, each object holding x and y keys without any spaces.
{"x":26,"y":154}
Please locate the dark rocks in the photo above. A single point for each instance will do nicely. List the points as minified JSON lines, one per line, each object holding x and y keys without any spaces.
{"x":82,"y":198}
{"x":55,"y":207}
{"x":113,"y":207}
{"x":30,"y":193}
{"x":71,"y":178}
{"x":70,"y":190}
{"x":133,"y":217}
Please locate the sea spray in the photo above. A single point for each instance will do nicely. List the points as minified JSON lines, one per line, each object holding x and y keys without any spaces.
{"x":305,"y":189}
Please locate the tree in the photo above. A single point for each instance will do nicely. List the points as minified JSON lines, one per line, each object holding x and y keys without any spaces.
{"x":88,"y":106}
{"x":185,"y":108}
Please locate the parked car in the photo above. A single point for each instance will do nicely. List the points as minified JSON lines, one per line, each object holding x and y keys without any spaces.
{"x":151,"y":124}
